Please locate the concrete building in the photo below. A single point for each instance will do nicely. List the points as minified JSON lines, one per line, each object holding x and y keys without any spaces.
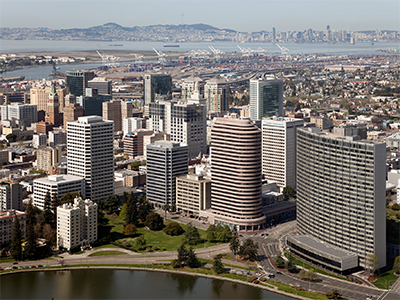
{"x":193,"y":194}
{"x":189,"y":86}
{"x":279,"y":150}
{"x":103,"y":85}
{"x":156,"y":84}
{"x":91,"y":156}
{"x":76,"y":223}
{"x":3,"y":157}
{"x":322,"y":122}
{"x":7,"y":219}
{"x":53,"y":108}
{"x":72,"y":112}
{"x":25,"y":112}
{"x":151,"y":139}
{"x":39,"y":96}
{"x":186,"y":123}
{"x":60,"y":184}
{"x":165,"y":161}
{"x":39,"y":140}
{"x":133,"y":142}
{"x":341,"y":192}
{"x":216,"y":95}
{"x":77,"y":82}
{"x":236,"y":174}
{"x":266,"y":98}
{"x":47,"y":157}
{"x":112,"y":112}
{"x":10,"y":195}
{"x":131,"y":124}
{"x":58,"y":137}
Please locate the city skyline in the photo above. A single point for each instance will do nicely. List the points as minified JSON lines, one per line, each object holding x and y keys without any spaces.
{"x":243,"y":16}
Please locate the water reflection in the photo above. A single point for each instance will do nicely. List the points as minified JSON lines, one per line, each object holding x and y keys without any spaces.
{"x":185,"y":283}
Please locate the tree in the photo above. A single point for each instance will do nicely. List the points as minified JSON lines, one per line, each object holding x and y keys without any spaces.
{"x":334,"y":295}
{"x":49,"y":235}
{"x":182,"y":255}
{"x":124,"y":198}
{"x":131,"y":216}
{"x":211,"y":233}
{"x":395,"y":206}
{"x":290,"y":265}
{"x":111,"y":204}
{"x":135,"y":166}
{"x":289,"y":192}
{"x":55,"y":202}
{"x":279,"y":262}
{"x":173,"y":229}
{"x":16,"y":248}
{"x":396,"y":265}
{"x":122,"y":212}
{"x":234,"y":243}
{"x":192,"y":235}
{"x":144,"y":208}
{"x":303,"y":274}
{"x":140,"y":242}
{"x":69,"y":197}
{"x":166,"y":208}
{"x":372,"y":263}
{"x":30,"y":245}
{"x":248,"y":250}
{"x":225,"y":235}
{"x":154,"y":221}
{"x":218,"y":267}
{"x":48,"y":215}
{"x":192,"y":260}
{"x":129,"y":230}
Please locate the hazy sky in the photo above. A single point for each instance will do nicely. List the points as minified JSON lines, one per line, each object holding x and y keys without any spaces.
{"x":241,"y":15}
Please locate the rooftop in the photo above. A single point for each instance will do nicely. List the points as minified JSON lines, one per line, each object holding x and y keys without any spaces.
{"x":55,"y":179}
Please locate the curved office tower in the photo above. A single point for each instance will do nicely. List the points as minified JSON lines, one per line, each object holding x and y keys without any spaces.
{"x":236,"y":174}
{"x":341,"y":193}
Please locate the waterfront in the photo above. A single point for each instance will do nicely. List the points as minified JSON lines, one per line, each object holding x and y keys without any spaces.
{"x":124,"y":284}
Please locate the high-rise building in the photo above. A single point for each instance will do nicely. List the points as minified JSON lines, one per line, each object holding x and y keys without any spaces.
{"x":216,"y":95}
{"x":112,"y":112}
{"x":151,"y":139}
{"x":186,"y":123}
{"x":77,"y":82}
{"x":165,"y":161}
{"x":189,"y":86}
{"x":279,"y":150}
{"x":92,"y":103}
{"x":60,"y":184}
{"x":76,"y":223}
{"x":236,"y":174}
{"x":133,"y":142}
{"x":91,"y":156}
{"x":58,"y":137}
{"x":25,"y":112}
{"x":101,"y":84}
{"x":341,"y":196}
{"x":53,"y":113}
{"x":129,"y":125}
{"x":48,"y":157}
{"x":156,"y":84}
{"x":72,"y":112}
{"x":39,"y":140}
{"x":273,"y":35}
{"x":40,"y":96}
{"x":10,"y":195}
{"x":266,"y":98}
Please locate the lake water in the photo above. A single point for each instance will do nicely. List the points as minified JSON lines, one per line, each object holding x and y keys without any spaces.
{"x":124,"y":284}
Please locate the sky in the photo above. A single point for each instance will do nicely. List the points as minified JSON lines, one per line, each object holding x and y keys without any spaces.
{"x":243,"y":15}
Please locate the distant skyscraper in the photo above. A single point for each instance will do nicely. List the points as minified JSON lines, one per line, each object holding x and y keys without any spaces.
{"x":103,"y":85}
{"x":72,"y":112}
{"x":165,"y":161}
{"x":341,"y":194}
{"x":279,"y":150}
{"x":53,"y":113}
{"x":273,"y":35}
{"x":188,"y":87}
{"x":216,"y":95}
{"x":40,"y":97}
{"x":266,"y":98}
{"x":236,"y":174}
{"x":156,"y":84}
{"x":92,"y":103}
{"x":91,"y":155}
{"x":77,"y":81}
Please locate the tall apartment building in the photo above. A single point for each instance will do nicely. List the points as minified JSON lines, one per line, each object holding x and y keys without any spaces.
{"x":117,"y":110}
{"x":189,"y":86}
{"x":236,"y":174}
{"x":76,"y":223}
{"x":186,"y":123}
{"x":165,"y":161}
{"x":60,"y":184}
{"x":7,"y":219}
{"x":279,"y":150}
{"x":91,"y":156}
{"x":40,"y":97}
{"x":193,"y":194}
{"x":156,"y":84}
{"x":53,"y":112}
{"x":72,"y":112}
{"x":103,"y":85}
{"x":151,"y":139}
{"x":48,"y":157}
{"x":133,"y":142}
{"x":25,"y":112}
{"x":266,"y":98}
{"x":77,"y":82}
{"x":10,"y":195}
{"x":216,"y":95}
{"x":341,"y":194}
{"x":129,"y":125}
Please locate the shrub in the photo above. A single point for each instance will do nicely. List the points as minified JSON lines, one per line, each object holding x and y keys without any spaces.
{"x":154,"y":221}
{"x":130,"y":230}
{"x":173,"y":229}
{"x":396,"y":206}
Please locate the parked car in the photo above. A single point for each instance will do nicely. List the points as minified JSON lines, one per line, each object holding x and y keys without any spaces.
{"x":40,"y":266}
{"x":8,"y":268}
{"x":33,"y":266}
{"x":26,"y":267}
{"x":280,"y":273}
{"x":14,"y":268}
{"x":15,"y":263}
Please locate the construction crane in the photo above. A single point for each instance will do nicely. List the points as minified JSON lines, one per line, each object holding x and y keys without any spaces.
{"x":161,"y":56}
{"x":109,"y":61}
{"x":283,"y":49}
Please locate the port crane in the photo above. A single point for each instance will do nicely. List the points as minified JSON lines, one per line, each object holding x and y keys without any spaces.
{"x":137,"y":57}
{"x":216,"y":52}
{"x":109,"y":61}
{"x":161,"y":56}
{"x":283,"y":49}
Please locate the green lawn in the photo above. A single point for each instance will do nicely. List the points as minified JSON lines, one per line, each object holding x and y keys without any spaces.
{"x":293,"y":290}
{"x":106,"y":246}
{"x":308,"y":267}
{"x":385,"y":280}
{"x":105,"y":253}
{"x":156,"y":240}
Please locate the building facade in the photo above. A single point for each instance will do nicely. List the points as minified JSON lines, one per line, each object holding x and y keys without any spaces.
{"x":216,"y":95}
{"x":7,"y":219}
{"x":156,"y":84}
{"x":193,"y":194}
{"x":10,"y":196}
{"x":72,"y":112}
{"x":91,"y":156}
{"x":39,"y":96}
{"x":165,"y":161}
{"x":77,"y":82}
{"x":341,"y":192}
{"x":236,"y":174}
{"x":25,"y":112}
{"x":266,"y":98}
{"x":279,"y":150}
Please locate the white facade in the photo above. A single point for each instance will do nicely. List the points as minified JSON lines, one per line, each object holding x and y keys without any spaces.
{"x":60,"y":184}
{"x":39,"y":140}
{"x":76,"y":223}
{"x":90,"y":155}
{"x":130,"y":125}
{"x":18,"y":111}
{"x":266,"y":98}
{"x":279,"y":150}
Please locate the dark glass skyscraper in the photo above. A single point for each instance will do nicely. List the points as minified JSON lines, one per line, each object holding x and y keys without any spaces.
{"x":77,"y":81}
{"x":266,"y":98}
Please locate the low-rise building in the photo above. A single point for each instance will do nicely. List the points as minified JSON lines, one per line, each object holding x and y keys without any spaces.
{"x":7,"y":219}
{"x":76,"y":223}
{"x":193,"y":193}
